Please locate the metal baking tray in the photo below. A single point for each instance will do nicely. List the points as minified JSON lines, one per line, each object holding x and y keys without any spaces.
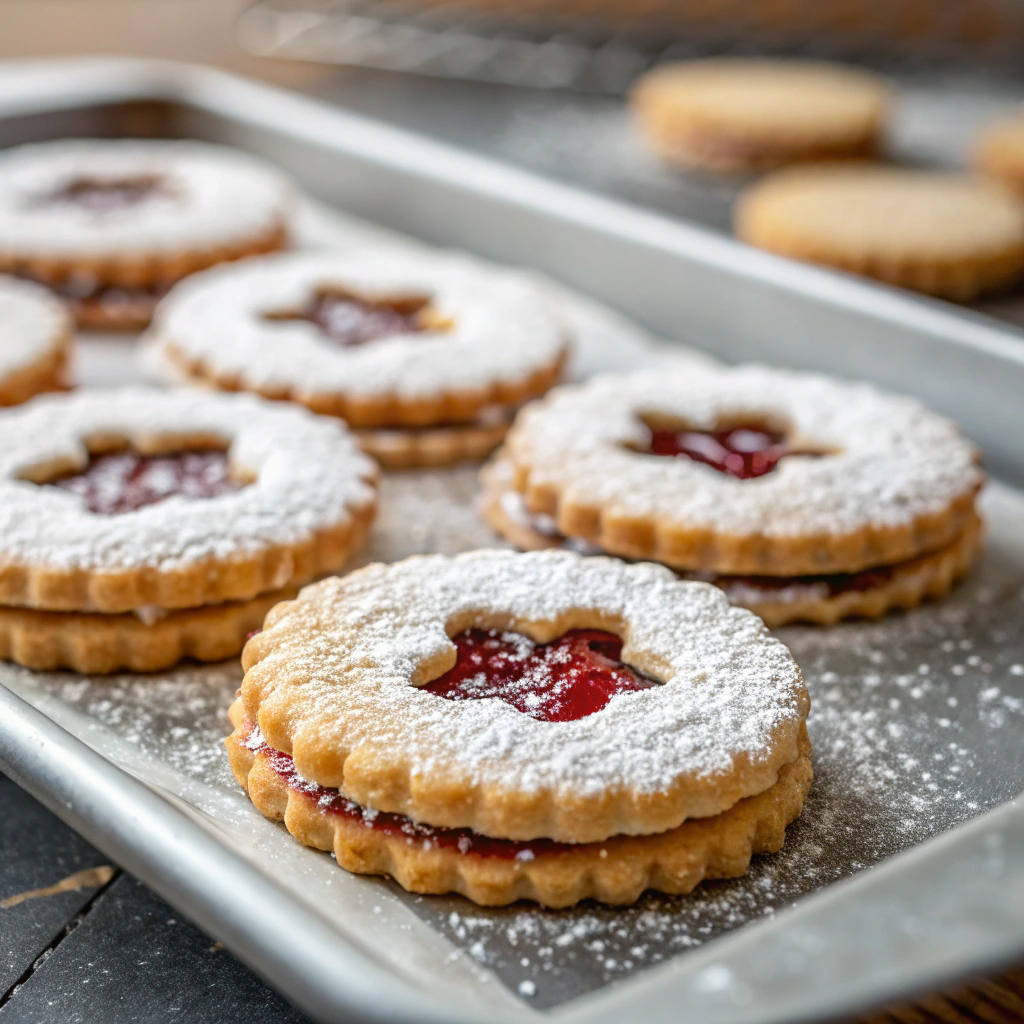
{"x":916,"y":719}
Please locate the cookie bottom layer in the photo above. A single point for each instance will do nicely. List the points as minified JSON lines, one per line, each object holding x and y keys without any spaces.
{"x":98,"y":644}
{"x":725,"y":153}
{"x":616,"y":871}
{"x":116,"y":309}
{"x":384,"y":413}
{"x":433,"y":447}
{"x":804,"y":599}
{"x":418,"y":447}
{"x":50,"y":373}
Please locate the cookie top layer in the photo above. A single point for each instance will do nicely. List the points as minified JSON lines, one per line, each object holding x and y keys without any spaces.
{"x":334,"y":679}
{"x":882,"y":480}
{"x":847,"y":212}
{"x":484,"y":328}
{"x":304,"y":480}
{"x":117,"y":198}
{"x":33,"y":325}
{"x":786,"y":103}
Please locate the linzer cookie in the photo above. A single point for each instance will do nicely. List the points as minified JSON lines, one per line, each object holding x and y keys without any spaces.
{"x":111,"y":225}
{"x":804,"y":498}
{"x":424,"y":354}
{"x":138,"y":527}
{"x":35,"y":341}
{"x":538,"y":726}
{"x":935,"y":233}
{"x":736,"y":114}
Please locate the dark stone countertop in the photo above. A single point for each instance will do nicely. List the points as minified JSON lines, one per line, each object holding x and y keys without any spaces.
{"x":111,"y":951}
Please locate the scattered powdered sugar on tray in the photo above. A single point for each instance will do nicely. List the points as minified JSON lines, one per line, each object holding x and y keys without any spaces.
{"x":426,"y":512}
{"x":177,"y":718}
{"x":916,"y":723}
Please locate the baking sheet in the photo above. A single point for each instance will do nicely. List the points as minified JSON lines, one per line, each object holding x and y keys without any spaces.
{"x":915,"y":723}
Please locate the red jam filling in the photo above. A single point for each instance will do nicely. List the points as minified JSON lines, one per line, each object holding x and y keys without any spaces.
{"x":742,"y":452}
{"x":836,"y":583}
{"x":350,"y":320}
{"x":561,"y":681}
{"x":103,"y":194}
{"x":126,"y":481}
{"x":463,"y":840}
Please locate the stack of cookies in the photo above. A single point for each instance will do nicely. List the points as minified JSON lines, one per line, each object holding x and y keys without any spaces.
{"x":141,"y":527}
{"x":804,"y":498}
{"x":537,"y":726}
{"x":425,"y":355}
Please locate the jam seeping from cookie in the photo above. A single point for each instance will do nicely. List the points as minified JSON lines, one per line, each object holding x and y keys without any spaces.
{"x":759,"y":588}
{"x":561,"y":681}
{"x":462,"y":840}
{"x":782,"y":588}
{"x":742,"y":452}
{"x":350,"y":320}
{"x":121,"y":482}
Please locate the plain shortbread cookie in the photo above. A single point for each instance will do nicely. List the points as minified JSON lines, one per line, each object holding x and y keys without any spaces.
{"x":736,"y":114}
{"x":935,"y":233}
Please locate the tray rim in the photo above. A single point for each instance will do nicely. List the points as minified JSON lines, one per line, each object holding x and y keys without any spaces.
{"x":52,"y":764}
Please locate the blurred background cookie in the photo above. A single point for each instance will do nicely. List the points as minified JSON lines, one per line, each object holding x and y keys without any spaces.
{"x":932,"y":232}
{"x":735,"y":114}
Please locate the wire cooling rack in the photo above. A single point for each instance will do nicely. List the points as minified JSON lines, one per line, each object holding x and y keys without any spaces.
{"x":601,"y":45}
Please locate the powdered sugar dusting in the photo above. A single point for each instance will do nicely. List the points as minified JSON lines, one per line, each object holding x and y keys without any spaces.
{"x":33,"y":324}
{"x":498,"y":325}
{"x":354,"y":647}
{"x":208,"y":196}
{"x":890,"y":459}
{"x":936,"y":693}
{"x":306,"y":473}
